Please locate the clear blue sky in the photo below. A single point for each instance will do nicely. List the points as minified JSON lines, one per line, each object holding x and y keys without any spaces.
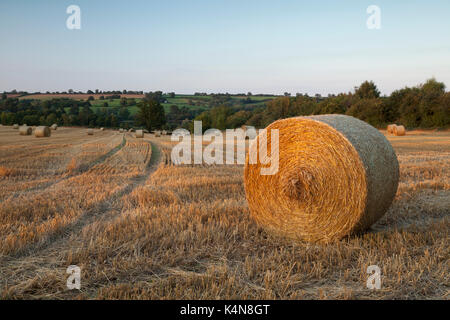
{"x":223,"y":45}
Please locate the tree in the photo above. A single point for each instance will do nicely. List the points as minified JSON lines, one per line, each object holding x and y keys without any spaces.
{"x":367,"y":90}
{"x":124,"y":113}
{"x":113,"y":121}
{"x":4,"y":96}
{"x":157,"y":95}
{"x":369,"y":110}
{"x":151,"y":113}
{"x":3,"y":118}
{"x":51,"y":119}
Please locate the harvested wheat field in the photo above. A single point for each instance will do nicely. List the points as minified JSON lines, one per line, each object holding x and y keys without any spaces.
{"x":140,"y":227}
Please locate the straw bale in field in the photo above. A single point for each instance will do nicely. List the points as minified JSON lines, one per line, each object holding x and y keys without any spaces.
{"x":399,"y":130}
{"x":25,"y":130}
{"x":139,"y":133}
{"x":90,"y":132}
{"x":42,"y":131}
{"x":390,"y":128}
{"x":337,"y":176}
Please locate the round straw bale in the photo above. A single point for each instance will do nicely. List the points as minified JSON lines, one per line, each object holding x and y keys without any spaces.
{"x":90,"y":132}
{"x":25,"y":130}
{"x":390,"y":128}
{"x":139,"y":133}
{"x":336,"y":176}
{"x":131,"y":130}
{"x":121,"y":130}
{"x":102,"y":129}
{"x":42,"y":131}
{"x":157,"y":133}
{"x":54,"y":126}
{"x":399,"y":130}
{"x":164,"y":132}
{"x":15,"y":126}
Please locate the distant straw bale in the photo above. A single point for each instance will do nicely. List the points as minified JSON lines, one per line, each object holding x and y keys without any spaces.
{"x":139,"y":133}
{"x":390,"y":128}
{"x":42,"y":131}
{"x":25,"y":130}
{"x":399,"y":130}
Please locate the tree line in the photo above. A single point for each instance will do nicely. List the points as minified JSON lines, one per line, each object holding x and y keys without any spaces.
{"x":71,"y":112}
{"x":423,"y":106}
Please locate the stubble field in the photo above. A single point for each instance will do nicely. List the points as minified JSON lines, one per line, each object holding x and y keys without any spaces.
{"x":140,"y":227}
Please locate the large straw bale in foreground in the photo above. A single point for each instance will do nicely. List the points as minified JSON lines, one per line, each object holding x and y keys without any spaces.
{"x":399,"y":130}
{"x":42,"y":131}
{"x":25,"y":130}
{"x":139,"y":133}
{"x":337,"y":176}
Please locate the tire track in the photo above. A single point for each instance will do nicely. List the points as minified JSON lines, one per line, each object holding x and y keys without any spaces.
{"x":50,"y":254}
{"x":66,"y":176}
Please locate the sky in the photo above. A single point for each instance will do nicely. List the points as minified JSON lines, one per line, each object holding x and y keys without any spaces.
{"x":223,"y":45}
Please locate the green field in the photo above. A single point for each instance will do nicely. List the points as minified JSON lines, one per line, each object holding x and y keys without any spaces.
{"x":189,"y":101}
{"x":193,"y":102}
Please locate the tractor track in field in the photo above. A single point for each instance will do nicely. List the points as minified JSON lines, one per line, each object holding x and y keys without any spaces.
{"x":45,"y":186}
{"x":50,"y":253}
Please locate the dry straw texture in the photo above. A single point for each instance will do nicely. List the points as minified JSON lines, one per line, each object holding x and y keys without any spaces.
{"x":16,"y":126}
{"x":54,"y":126}
{"x":399,"y":130}
{"x":337,"y":176}
{"x":90,"y":132}
{"x":139,"y":133}
{"x":42,"y":132}
{"x":390,"y":128}
{"x":25,"y":131}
